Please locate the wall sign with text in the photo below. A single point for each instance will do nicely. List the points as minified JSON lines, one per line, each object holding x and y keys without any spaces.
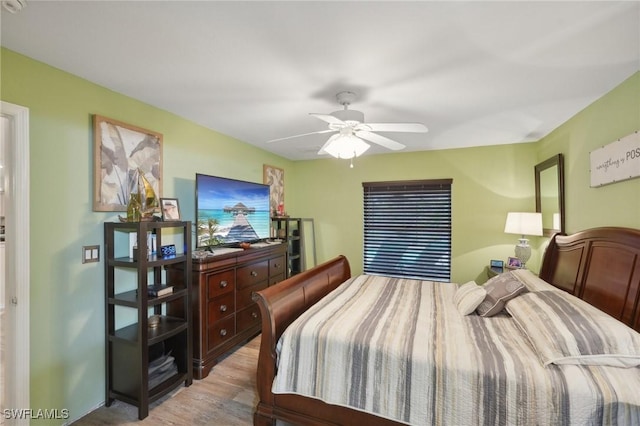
{"x":617,"y":161}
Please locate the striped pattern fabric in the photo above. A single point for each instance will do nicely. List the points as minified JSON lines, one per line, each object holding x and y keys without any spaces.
{"x":468,"y":297}
{"x":566,"y":330}
{"x":400,"y":349}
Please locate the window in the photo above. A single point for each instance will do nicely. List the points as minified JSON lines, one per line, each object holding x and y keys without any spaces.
{"x":407,"y":229}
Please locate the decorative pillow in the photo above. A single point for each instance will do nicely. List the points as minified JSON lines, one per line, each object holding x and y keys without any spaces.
{"x":500,"y":289}
{"x":532,"y":281}
{"x":566,"y":330}
{"x":468,"y":297}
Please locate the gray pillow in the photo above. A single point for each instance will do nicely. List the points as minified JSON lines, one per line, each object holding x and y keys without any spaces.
{"x":500,"y":289}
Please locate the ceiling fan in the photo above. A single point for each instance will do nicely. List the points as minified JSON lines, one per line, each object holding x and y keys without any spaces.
{"x":351,"y":131}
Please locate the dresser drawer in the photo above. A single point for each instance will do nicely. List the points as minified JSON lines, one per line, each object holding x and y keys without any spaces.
{"x":277,"y":266}
{"x":220,"y":283}
{"x":221,"y":331}
{"x":274,"y":280}
{"x":252,"y":274}
{"x":220,"y":307}
{"x":243,"y":297}
{"x":248,"y":317}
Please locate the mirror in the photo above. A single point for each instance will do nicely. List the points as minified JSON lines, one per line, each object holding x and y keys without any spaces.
{"x":309,"y":232}
{"x":549,"y":177}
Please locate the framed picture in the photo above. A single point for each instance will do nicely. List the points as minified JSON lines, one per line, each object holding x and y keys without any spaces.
{"x":170,"y":209}
{"x":120,"y":150}
{"x":497,"y":266}
{"x":514,"y":262}
{"x":274,"y":177}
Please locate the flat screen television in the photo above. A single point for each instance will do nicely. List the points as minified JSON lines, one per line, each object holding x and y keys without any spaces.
{"x":230,"y":211}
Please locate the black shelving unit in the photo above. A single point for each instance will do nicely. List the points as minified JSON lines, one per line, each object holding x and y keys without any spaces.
{"x":292,"y":231}
{"x":132,"y":344}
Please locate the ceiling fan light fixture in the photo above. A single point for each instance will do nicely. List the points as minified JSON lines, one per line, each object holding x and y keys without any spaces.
{"x":345,"y":146}
{"x":349,"y":116}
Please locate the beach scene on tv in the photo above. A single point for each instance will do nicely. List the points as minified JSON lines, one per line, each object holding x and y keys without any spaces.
{"x":231,"y":211}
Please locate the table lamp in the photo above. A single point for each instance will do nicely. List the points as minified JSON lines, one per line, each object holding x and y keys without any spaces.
{"x":523,"y":223}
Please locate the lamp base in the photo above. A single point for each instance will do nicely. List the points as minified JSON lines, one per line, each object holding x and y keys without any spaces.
{"x":523,"y":251}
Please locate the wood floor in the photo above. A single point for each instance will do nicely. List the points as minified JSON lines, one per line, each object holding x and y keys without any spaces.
{"x":227,"y":396}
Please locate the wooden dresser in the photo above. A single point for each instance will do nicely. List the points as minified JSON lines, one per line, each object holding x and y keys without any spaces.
{"x":224,"y":314}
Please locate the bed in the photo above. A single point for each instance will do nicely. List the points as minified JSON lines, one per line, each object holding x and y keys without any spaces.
{"x":458,"y":369}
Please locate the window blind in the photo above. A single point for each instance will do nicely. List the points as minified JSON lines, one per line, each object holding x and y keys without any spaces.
{"x":407,"y":229}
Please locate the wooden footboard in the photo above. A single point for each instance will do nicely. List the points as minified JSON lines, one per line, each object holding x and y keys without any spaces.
{"x":280,"y":305}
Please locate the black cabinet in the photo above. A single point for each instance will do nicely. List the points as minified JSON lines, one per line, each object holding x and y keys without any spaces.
{"x":148,"y":351}
{"x":292,"y":230}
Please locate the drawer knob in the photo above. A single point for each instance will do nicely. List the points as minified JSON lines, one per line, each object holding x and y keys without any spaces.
{"x":223,"y":284}
{"x":223,"y":308}
{"x":254,"y":274}
{"x":276,"y":265}
{"x":254,"y":314}
{"x":223,"y":332}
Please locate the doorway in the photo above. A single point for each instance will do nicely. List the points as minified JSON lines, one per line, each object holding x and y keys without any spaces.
{"x":14,"y":330}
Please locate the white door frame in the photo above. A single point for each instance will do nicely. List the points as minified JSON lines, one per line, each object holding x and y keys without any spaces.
{"x":17,"y":259}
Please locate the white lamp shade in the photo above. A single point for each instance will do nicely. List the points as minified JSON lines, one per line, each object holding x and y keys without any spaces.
{"x":345,"y":146}
{"x":523,"y":223}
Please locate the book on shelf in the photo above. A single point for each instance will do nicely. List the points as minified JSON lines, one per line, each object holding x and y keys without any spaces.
{"x":157,"y":290}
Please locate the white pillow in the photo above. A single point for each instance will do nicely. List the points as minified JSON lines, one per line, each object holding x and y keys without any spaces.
{"x":468,"y":297}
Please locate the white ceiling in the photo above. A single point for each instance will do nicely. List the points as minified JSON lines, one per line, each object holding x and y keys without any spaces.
{"x":476,"y":73}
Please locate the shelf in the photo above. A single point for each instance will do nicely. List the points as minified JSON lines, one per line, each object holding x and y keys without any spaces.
{"x":152,"y":261}
{"x":166,"y":386}
{"x":169,"y":326}
{"x":154,"y":393}
{"x":127,"y":375}
{"x":130,"y":298}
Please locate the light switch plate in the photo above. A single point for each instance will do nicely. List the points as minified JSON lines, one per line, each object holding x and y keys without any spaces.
{"x":90,"y":254}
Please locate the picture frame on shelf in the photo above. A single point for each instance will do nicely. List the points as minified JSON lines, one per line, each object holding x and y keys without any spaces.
{"x":170,"y":209}
{"x":120,"y":152}
{"x":274,"y":177}
{"x":497,"y":266}
{"x":514,"y":263}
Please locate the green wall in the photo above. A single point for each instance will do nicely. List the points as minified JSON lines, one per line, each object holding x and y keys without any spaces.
{"x":67,"y":299}
{"x":487,"y":183}
{"x":609,"y":118}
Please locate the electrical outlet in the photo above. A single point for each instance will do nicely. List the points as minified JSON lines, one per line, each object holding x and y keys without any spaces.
{"x":90,"y":254}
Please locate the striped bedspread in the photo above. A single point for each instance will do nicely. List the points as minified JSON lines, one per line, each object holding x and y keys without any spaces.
{"x":400,"y":349}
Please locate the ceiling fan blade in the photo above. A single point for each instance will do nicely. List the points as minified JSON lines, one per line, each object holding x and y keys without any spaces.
{"x":395,"y":127}
{"x":298,"y":136}
{"x":327,"y":118}
{"x":380,"y":140}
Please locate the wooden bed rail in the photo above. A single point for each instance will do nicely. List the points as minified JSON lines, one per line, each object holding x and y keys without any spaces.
{"x":600,"y":266}
{"x":279,"y":306}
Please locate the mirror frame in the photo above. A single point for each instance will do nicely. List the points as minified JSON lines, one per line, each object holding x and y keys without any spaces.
{"x":555,"y":161}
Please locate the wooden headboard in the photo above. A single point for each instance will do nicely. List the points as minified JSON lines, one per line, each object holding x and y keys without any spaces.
{"x":600,"y":266}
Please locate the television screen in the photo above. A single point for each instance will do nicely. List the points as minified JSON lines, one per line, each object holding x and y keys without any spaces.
{"x":230,"y":211}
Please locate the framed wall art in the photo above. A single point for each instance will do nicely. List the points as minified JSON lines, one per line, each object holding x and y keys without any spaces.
{"x":121,"y":150}
{"x":274,"y":177}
